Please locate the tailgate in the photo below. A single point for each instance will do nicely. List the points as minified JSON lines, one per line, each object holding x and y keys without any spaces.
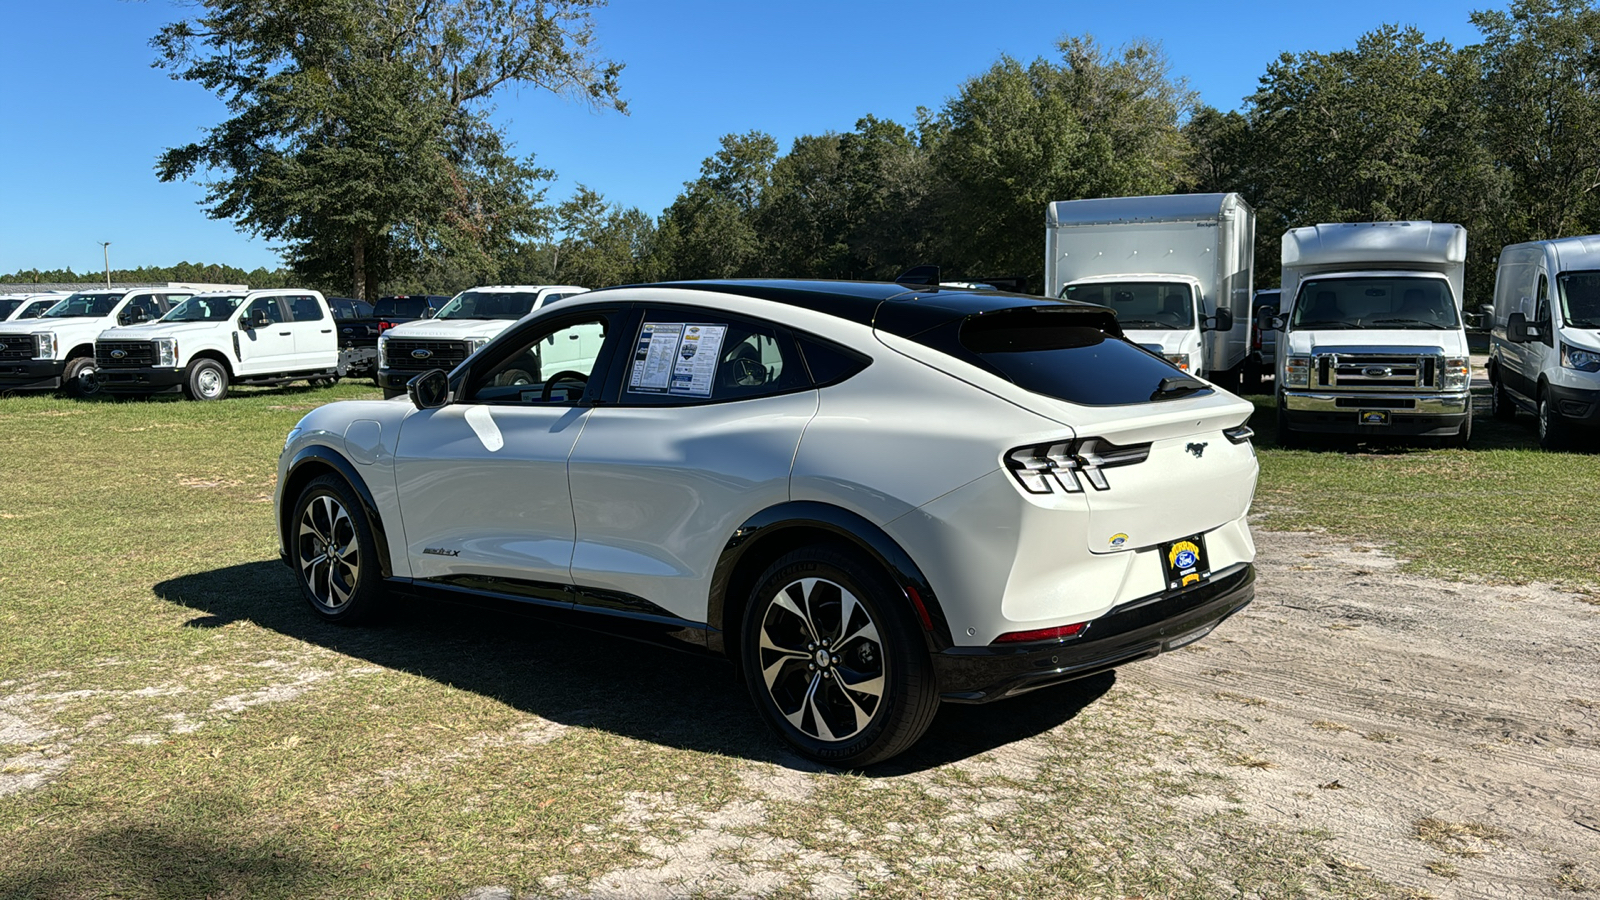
{"x":1187,"y":485}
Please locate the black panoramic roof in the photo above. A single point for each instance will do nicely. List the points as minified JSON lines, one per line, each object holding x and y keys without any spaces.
{"x":906,"y":310}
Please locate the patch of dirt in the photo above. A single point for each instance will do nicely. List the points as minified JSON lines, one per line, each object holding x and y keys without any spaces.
{"x":1406,"y":716}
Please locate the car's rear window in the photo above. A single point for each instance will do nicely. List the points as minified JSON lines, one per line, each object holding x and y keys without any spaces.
{"x":403,"y":307}
{"x":1063,"y":354}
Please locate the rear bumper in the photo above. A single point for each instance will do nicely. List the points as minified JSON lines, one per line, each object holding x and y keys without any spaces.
{"x":1580,"y":406}
{"x":1134,"y":631}
{"x":1411,"y":415}
{"x":140,"y":381}
{"x":31,"y":374}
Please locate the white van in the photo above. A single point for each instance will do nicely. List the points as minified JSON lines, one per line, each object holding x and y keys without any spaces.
{"x":212,"y":340}
{"x":1544,"y":343}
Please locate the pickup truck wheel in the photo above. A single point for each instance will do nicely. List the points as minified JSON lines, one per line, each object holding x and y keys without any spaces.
{"x":206,"y":379}
{"x":1287,"y":438}
{"x":835,"y":665}
{"x":81,"y":378}
{"x":1552,"y":428}
{"x":1501,"y":405}
{"x":1463,"y":438}
{"x":335,"y":556}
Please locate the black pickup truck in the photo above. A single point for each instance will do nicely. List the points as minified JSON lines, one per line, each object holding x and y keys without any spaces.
{"x":360,"y":323}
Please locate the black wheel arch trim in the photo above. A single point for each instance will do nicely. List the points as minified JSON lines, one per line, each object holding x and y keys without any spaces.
{"x":317,"y":454}
{"x":853,"y":529}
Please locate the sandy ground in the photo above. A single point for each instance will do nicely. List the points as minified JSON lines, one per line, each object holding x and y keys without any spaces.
{"x":1421,"y":723}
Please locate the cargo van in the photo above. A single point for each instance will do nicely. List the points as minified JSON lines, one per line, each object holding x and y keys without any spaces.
{"x":1373,"y":340}
{"x":1177,"y":270}
{"x":1544,"y":340}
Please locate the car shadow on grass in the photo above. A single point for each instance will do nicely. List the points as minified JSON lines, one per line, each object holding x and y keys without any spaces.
{"x":1488,"y":433}
{"x":586,"y":679}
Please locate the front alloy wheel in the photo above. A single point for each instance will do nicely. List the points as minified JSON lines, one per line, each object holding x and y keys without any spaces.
{"x":334,"y":553}
{"x":834,"y":659}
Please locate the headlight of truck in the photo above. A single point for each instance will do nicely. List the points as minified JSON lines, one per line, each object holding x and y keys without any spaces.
{"x":383,"y":353}
{"x":166,"y":352}
{"x":44,"y":345}
{"x":1297,"y":371}
{"x":1457,"y":374}
{"x":1579,"y":358}
{"x":1181,"y":360}
{"x":475,"y":344}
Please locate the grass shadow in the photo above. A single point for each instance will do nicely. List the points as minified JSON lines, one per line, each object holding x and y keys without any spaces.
{"x":580,"y":678}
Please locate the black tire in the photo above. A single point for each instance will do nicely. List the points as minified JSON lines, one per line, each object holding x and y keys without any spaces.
{"x":329,"y":521}
{"x":205,"y":379}
{"x":81,"y":377}
{"x":323,"y":381}
{"x":1501,"y":406}
{"x":1287,"y":438}
{"x":1553,"y":429}
{"x":1462,"y":438}
{"x":810,"y":652}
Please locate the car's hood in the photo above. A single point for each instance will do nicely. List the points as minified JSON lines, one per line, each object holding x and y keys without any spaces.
{"x":150,"y":330}
{"x":1452,"y":342}
{"x":449,"y":329}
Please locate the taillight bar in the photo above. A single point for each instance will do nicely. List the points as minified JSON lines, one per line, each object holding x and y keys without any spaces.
{"x":1044,"y":468}
{"x":1056,"y":633}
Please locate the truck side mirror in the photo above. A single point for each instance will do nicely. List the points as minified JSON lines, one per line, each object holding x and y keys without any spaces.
{"x":1276,"y":323}
{"x":1222,"y":321}
{"x":1517,"y":330}
{"x":430,"y":390}
{"x":245,"y":324}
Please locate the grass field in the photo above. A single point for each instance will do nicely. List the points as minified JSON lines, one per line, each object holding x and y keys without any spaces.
{"x":174,"y":724}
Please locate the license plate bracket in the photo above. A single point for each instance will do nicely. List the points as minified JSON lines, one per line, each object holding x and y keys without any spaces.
{"x":1373,"y":417}
{"x":1185,"y":562}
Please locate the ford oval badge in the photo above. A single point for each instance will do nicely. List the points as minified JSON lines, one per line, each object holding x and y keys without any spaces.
{"x":118,"y":354}
{"x":1377,"y":371}
{"x":421,"y":354}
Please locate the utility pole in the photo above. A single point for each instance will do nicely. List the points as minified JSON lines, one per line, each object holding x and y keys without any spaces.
{"x":106,"y":246}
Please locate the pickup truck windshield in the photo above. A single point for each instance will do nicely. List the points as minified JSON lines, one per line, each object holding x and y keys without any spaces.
{"x":489,"y":305}
{"x":1147,"y":305}
{"x":401,"y":307}
{"x":7,"y":307}
{"x":79,"y":306}
{"x":1580,"y":299}
{"x":204,"y":309}
{"x":1399,"y":302}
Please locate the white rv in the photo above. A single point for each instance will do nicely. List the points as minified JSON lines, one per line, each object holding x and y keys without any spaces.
{"x":1544,"y":353}
{"x":1373,"y":342}
{"x":1176,"y":269}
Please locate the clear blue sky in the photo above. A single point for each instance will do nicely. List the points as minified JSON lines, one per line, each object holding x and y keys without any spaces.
{"x":85,"y":115}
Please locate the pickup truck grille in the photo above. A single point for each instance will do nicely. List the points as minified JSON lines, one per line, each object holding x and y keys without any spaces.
{"x":16,"y":346}
{"x":134,"y":354}
{"x":1376,"y":372}
{"x":404,"y":354}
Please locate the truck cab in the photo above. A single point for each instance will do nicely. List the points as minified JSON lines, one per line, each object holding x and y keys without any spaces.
{"x":1373,"y":340}
{"x":1177,"y":270}
{"x":213,"y":340}
{"x":18,"y":307}
{"x":1544,"y":339}
{"x":56,"y":350}
{"x":467,"y":322}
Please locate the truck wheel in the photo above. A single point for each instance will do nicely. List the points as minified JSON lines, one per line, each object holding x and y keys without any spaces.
{"x":1501,"y":405}
{"x":334,"y":554}
{"x":1287,"y":438}
{"x":834,"y":663}
{"x":206,"y":379}
{"x":81,"y":378}
{"x":1463,"y":437}
{"x":1552,"y":428}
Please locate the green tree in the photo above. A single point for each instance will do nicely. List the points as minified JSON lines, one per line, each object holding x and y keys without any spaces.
{"x":601,"y":244}
{"x":359,"y":134}
{"x":709,"y":231}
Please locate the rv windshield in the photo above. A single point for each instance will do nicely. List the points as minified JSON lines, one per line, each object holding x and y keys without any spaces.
{"x":1580,"y":299}
{"x":80,"y":306}
{"x":1399,"y":302}
{"x":489,"y":305}
{"x":1148,"y":305}
{"x":204,"y":309}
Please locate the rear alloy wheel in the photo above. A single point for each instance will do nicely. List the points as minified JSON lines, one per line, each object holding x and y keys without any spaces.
{"x":335,"y":556}
{"x":1552,"y":428}
{"x":834,"y":662}
{"x":81,"y":378}
{"x":206,"y":379}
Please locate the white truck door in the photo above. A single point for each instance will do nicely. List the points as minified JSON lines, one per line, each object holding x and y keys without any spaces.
{"x":267,"y":345}
{"x":316,"y":343}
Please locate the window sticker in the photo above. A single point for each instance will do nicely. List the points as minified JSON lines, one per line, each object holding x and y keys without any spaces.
{"x":677,"y":358}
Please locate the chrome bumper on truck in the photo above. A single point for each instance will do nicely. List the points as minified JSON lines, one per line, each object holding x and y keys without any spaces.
{"x":1411,"y":415}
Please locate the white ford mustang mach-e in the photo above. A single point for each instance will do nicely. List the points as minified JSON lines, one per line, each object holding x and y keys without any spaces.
{"x":870,"y":498}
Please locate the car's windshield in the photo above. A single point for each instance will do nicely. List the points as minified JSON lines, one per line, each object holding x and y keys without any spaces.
{"x":1139,"y":304}
{"x":85,"y":305}
{"x":1389,"y":302}
{"x":401,"y":307}
{"x":36,"y":308}
{"x":9,"y":306}
{"x":1580,"y":299}
{"x":204,"y":309}
{"x":489,"y":305}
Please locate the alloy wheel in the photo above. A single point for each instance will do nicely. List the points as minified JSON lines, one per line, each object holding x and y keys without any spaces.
{"x":329,"y":552}
{"x":822,"y":659}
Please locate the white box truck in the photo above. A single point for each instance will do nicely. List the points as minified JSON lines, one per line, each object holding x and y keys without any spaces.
{"x":1373,"y":340}
{"x":1176,"y":269}
{"x":1544,"y":352}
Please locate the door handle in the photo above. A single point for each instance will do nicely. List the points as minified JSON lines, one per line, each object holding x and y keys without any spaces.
{"x":327,"y":331}
{"x":572,"y":337}
{"x":286,"y":333}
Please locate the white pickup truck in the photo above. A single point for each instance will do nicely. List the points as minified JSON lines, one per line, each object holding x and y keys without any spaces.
{"x":16,"y":307}
{"x":56,"y":350}
{"x":214,"y":340}
{"x":470,"y":320}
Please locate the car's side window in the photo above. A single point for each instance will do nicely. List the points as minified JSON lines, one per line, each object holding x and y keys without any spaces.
{"x":1541,"y":299}
{"x":551,"y":368}
{"x":685,"y":356}
{"x":141,"y":309}
{"x":305,"y":309}
{"x":264,"y":311}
